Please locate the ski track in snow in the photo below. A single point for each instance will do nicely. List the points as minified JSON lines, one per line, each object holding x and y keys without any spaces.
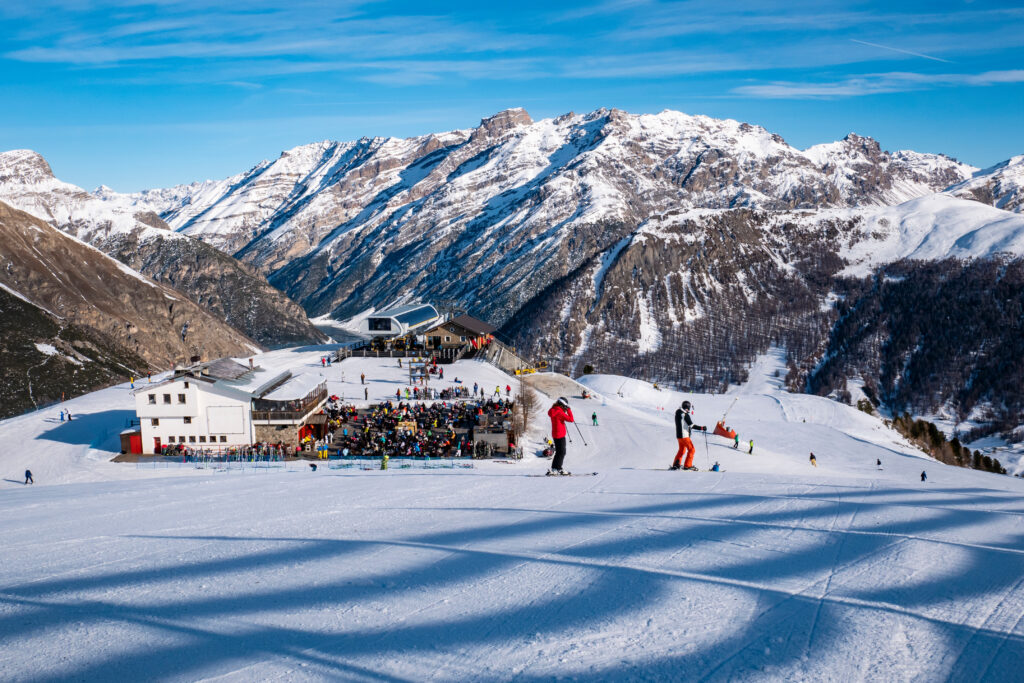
{"x":770,"y":570}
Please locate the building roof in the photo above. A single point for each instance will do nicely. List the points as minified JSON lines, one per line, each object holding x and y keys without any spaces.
{"x":474,"y":324}
{"x":296,"y":387}
{"x":225,"y":368}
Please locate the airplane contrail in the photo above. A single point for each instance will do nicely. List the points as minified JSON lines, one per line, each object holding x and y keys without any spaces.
{"x":906,"y":52}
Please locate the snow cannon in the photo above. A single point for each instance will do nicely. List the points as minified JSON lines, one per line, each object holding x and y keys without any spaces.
{"x":722,"y":430}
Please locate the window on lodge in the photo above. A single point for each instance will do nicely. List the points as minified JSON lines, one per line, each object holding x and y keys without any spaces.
{"x":380,"y":324}
{"x":152,"y":399}
{"x":167,"y":399}
{"x":170,"y":439}
{"x":223,"y":439}
{"x":181,"y":398}
{"x":155,"y":422}
{"x":188,"y":420}
{"x":202,"y":439}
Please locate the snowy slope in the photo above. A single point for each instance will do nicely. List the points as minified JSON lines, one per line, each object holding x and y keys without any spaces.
{"x":1001,"y":186}
{"x":935,"y":227}
{"x":770,"y":570}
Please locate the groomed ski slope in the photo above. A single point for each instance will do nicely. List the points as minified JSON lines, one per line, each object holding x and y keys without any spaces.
{"x":771,"y":570}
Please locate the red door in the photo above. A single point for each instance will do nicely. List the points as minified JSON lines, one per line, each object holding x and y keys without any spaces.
{"x":135,"y":443}
{"x":156,"y":444}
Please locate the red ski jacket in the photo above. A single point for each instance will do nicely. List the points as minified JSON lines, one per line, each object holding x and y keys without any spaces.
{"x":558,"y":419}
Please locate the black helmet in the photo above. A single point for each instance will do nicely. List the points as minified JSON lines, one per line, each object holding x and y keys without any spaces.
{"x":686,"y":405}
{"x":562,"y":401}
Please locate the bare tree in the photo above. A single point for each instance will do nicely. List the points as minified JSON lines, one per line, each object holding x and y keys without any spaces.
{"x":526,"y":401}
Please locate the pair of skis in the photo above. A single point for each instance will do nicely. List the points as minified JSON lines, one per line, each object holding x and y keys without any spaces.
{"x":567,"y":474}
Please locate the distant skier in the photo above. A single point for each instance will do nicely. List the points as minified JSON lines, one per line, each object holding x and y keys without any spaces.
{"x":751,"y":451}
{"x":497,"y":391}
{"x":28,"y":477}
{"x":594,"y":418}
{"x":924,"y":476}
{"x":366,"y":393}
{"x":68,"y":413}
{"x":508,"y":390}
{"x":684,"y":427}
{"x":814,"y":461}
{"x":312,"y":466}
{"x":362,"y":378}
{"x":716,"y":467}
{"x":878,"y":462}
{"x":736,"y":442}
{"x":560,"y":413}
{"x":62,"y":416}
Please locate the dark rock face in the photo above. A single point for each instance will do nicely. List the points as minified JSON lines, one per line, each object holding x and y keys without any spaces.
{"x":78,"y":285}
{"x":690,"y":301}
{"x":81,"y":360}
{"x":221,"y":285}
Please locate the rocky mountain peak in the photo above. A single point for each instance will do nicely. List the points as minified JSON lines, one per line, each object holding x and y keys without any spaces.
{"x":23,"y":165}
{"x":504,"y":121}
{"x":864,"y":144}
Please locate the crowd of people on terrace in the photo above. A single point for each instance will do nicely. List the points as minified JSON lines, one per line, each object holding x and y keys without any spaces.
{"x":411,"y":429}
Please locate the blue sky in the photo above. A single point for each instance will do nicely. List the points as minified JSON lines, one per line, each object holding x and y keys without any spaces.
{"x":151,"y":93}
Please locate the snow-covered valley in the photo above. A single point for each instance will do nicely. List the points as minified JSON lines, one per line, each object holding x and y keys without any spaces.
{"x":772,"y":569}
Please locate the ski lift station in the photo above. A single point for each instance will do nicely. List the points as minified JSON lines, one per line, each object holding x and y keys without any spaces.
{"x":399,"y":321}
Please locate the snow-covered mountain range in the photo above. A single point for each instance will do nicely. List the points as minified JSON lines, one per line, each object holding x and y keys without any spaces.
{"x":141,"y":240}
{"x":670,"y":246}
{"x":492,"y":215}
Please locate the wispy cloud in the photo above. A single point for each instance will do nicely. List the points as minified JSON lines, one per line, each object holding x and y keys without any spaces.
{"x":875,"y":84}
{"x":329,"y":31}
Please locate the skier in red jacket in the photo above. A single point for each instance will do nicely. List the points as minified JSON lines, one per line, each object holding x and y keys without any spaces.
{"x":560,"y":413}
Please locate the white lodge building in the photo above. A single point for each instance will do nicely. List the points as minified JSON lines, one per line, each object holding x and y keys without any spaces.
{"x":223,"y":403}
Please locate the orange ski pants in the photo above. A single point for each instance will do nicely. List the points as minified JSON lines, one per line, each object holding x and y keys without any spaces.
{"x":685,"y":448}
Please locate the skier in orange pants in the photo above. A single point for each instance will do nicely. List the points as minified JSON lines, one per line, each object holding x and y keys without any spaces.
{"x":684,"y":427}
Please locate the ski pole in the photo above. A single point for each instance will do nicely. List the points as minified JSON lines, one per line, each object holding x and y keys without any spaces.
{"x":568,"y":435}
{"x":707,"y":458}
{"x":581,"y":434}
